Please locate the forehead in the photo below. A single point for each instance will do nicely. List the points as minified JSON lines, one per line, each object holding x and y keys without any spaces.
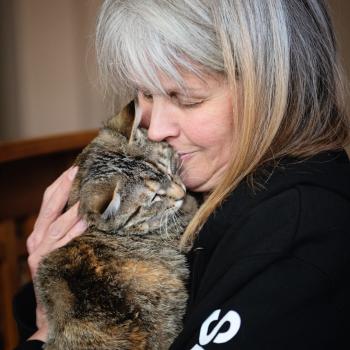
{"x":190,"y":83}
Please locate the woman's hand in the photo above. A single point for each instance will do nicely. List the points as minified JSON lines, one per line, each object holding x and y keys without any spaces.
{"x":52,"y":230}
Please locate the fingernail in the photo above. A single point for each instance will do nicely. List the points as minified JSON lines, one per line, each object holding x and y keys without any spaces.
{"x":72,"y":172}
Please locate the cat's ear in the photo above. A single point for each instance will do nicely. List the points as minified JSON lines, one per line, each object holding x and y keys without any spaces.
{"x":126,"y":121}
{"x":137,"y":120}
{"x":112,"y":207}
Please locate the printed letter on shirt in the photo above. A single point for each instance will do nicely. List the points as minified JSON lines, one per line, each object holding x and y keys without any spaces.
{"x":215,"y":336}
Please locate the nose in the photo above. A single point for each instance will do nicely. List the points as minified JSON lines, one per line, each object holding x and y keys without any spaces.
{"x":176,"y":191}
{"x":160,"y":119}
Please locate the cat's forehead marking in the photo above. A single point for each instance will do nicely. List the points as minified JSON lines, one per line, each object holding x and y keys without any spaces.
{"x":152,"y":185}
{"x":118,"y":163}
{"x":163,"y":164}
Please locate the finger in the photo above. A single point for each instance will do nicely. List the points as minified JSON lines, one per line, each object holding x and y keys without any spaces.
{"x":31,"y":243}
{"x":73,"y":227}
{"x":62,"y":225}
{"x":55,"y":231}
{"x":55,"y":204}
{"x":52,"y":188}
{"x":36,"y":236}
{"x":44,"y":249}
{"x":78,"y":229}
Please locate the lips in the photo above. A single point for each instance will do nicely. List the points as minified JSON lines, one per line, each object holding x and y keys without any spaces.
{"x":185,"y":155}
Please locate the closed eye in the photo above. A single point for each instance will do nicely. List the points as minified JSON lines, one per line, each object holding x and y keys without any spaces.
{"x":185,"y":101}
{"x":146,"y":95}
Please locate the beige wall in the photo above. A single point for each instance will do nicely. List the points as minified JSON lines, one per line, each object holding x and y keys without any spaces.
{"x":48,"y":78}
{"x":8,"y":76}
{"x":54,"y":69}
{"x":340,"y":11}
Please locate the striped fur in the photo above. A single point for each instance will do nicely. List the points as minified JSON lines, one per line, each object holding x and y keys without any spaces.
{"x":121,"y":285}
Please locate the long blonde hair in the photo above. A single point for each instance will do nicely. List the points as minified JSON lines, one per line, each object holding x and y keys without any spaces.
{"x":282,"y":53}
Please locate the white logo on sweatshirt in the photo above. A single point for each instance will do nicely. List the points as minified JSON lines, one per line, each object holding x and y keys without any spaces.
{"x":215,"y":335}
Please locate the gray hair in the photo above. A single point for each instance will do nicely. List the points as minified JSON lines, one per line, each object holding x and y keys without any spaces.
{"x":138,"y":39}
{"x":281,"y":52}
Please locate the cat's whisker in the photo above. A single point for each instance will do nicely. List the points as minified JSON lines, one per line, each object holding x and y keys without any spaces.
{"x":179,"y":221}
{"x":176,"y":223}
{"x":174,"y":216}
{"x":166,"y":224}
{"x":162,"y":223}
{"x":179,"y":169}
{"x":169,"y":216}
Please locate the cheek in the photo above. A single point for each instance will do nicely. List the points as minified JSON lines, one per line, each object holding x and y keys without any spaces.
{"x":210,"y":130}
{"x":212,"y":125}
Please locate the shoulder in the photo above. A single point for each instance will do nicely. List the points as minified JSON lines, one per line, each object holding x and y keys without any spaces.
{"x":280,"y":251}
{"x":303,"y":212}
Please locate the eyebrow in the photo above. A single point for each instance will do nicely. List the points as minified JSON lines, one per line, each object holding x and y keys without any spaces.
{"x":185,"y":92}
{"x":174,"y":91}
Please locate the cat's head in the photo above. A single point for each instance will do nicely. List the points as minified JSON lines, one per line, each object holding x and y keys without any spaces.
{"x":135,"y":193}
{"x":135,"y":186}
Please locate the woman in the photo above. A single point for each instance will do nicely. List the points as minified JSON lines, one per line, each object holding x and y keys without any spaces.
{"x":250,"y":94}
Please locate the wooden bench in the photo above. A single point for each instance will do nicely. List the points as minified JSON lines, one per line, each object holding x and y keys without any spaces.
{"x":26,"y":169}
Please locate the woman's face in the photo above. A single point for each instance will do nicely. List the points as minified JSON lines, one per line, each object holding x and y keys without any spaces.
{"x":198,"y":125}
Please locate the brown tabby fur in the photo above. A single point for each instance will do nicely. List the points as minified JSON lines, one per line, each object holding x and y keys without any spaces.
{"x":121,"y":285}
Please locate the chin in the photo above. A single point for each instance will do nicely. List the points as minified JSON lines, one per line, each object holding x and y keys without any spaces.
{"x":196,"y":182}
{"x":190,"y":185}
{"x":194,"y":186}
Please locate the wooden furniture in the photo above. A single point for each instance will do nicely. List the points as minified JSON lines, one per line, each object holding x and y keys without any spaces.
{"x":26,"y":169}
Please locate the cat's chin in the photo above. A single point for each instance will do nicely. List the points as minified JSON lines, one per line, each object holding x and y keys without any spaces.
{"x":154,"y":225}
{"x":189,"y":206}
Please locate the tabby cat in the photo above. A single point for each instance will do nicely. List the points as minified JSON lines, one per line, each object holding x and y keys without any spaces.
{"x":121,"y":285}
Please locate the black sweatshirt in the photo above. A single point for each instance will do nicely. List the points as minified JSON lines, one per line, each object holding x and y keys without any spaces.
{"x":270,"y":269}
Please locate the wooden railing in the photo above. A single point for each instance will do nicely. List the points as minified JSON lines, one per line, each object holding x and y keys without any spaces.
{"x":26,"y":169}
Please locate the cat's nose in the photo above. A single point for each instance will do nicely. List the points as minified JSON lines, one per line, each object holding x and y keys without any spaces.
{"x":176,"y":191}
